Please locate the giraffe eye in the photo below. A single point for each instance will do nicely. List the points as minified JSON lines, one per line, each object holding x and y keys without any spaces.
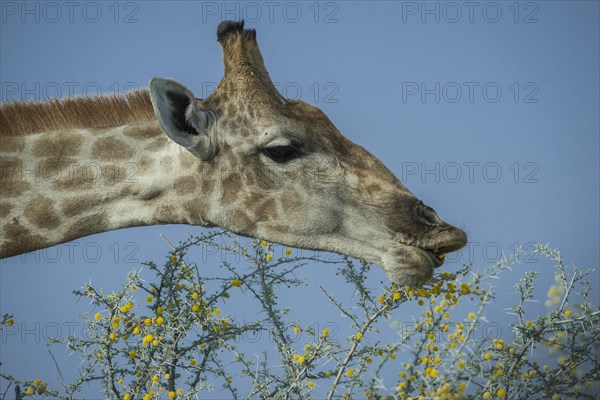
{"x":282,"y":154}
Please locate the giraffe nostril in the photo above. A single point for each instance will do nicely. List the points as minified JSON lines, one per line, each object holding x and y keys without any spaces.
{"x":428,"y":216}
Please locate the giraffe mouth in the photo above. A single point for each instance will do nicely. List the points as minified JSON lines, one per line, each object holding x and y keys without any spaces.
{"x":438,"y":254}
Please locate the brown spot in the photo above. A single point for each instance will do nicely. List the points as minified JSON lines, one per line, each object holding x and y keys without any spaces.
{"x":52,"y":169}
{"x":144,"y":165}
{"x":79,"y":177}
{"x":12,"y":144}
{"x":143,"y":130}
{"x":157,"y":144}
{"x":241,"y":221}
{"x":185,"y":185}
{"x":187,"y":160}
{"x":12,"y":172}
{"x":89,"y":225}
{"x":264,"y":209}
{"x":58,"y":145}
{"x":77,"y":205}
{"x":11,"y":169}
{"x":110,"y":149}
{"x":194,"y":210}
{"x":231,"y":110}
{"x":207,"y":185}
{"x":167,"y":214}
{"x":291,"y":203}
{"x":373,"y":188}
{"x":19,"y":240}
{"x":5,"y":209}
{"x":231,"y":188}
{"x":14,"y":189}
{"x":113,"y":174}
{"x":40,"y":211}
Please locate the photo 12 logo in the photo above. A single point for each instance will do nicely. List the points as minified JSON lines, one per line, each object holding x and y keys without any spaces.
{"x":312,"y":92}
{"x":469,"y":92}
{"x":52,"y":12}
{"x":470,"y":172}
{"x":44,"y":91}
{"x":452,"y":12}
{"x":271,"y":11}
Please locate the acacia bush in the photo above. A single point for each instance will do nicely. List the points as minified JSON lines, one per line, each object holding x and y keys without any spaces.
{"x":167,"y":333}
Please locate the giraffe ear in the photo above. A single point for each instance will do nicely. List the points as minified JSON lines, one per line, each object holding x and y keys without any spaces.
{"x":180,"y":117}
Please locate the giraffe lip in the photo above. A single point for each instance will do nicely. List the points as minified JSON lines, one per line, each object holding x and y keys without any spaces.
{"x":436,"y":256}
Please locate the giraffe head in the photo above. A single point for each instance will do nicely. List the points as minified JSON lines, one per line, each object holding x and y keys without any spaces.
{"x":280,"y":170}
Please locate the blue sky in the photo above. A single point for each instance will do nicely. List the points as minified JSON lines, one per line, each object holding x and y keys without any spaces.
{"x":488,"y":114}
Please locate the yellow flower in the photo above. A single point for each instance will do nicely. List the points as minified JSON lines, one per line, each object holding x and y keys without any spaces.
{"x":127,"y":397}
{"x":471,"y":315}
{"x":194,"y":295}
{"x":216,"y":311}
{"x":501,"y":393}
{"x":193,"y":362}
{"x":393,"y":356}
{"x":155,"y":342}
{"x":488,"y":356}
{"x":264,"y":243}
{"x":155,"y":378}
{"x":487,"y":395}
{"x":350,"y":372}
{"x":287,"y":253}
{"x":160,"y":320}
{"x":37,"y":382}
{"x":160,"y":310}
{"x":236,"y":283}
{"x":461,"y":364}
{"x":310,"y":384}
{"x":433,"y":373}
{"x":568,"y":313}
{"x":381,"y":299}
{"x":149,"y":299}
{"x":269,"y":257}
{"x":147,"y":321}
{"x":325,"y":332}
{"x":171,"y":395}
{"x":96,"y":317}
{"x":113,"y":337}
{"x":358,"y":336}
{"x":99,"y":355}
{"x":301,"y":360}
{"x":397,"y":296}
{"x":167,"y":376}
{"x":132,"y":354}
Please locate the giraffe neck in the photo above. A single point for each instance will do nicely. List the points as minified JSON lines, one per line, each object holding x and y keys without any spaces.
{"x":64,"y":185}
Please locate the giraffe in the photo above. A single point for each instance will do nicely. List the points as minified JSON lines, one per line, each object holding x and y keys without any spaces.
{"x":245,"y":159}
